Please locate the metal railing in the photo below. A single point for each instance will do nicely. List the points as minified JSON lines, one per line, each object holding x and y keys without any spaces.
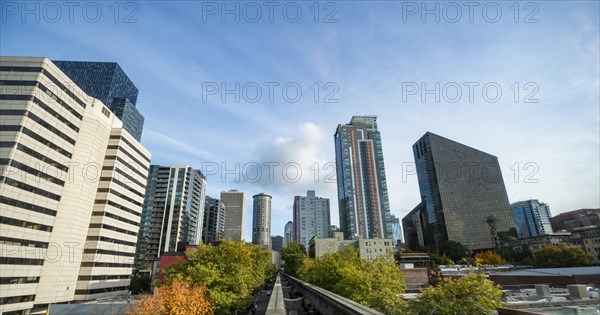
{"x":328,"y":303}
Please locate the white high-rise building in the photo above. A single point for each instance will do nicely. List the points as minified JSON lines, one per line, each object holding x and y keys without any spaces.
{"x":235,"y":217}
{"x":72,"y":185}
{"x":173,"y":211}
{"x":311,"y":218}
{"x":261,"y":223}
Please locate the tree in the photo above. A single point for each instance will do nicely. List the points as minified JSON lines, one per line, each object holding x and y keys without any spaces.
{"x":292,"y":258}
{"x":231,"y":272}
{"x":561,"y":255}
{"x":471,"y":294}
{"x":516,"y":255}
{"x":455,"y":250}
{"x":488,"y":257}
{"x":140,"y":283}
{"x":179,"y":298}
{"x":440,"y":259}
{"x":375,"y":283}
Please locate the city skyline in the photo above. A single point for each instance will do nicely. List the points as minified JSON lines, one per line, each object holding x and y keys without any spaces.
{"x":556,"y":161}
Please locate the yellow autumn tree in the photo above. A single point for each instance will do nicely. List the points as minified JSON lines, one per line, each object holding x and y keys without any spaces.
{"x":488,"y":257}
{"x":179,"y":298}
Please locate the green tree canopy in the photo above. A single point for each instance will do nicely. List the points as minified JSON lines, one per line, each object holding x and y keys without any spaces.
{"x":375,"y":283}
{"x":292,"y":258}
{"x":516,"y":255}
{"x":471,"y":294}
{"x":231,"y":272}
{"x":561,"y":255}
{"x":455,"y":250}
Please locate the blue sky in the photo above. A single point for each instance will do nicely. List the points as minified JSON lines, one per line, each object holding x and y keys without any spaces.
{"x":369,"y":58}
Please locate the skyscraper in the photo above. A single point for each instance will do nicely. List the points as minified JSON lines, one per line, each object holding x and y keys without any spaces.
{"x":462,"y":193}
{"x":108,"y":82}
{"x":71,"y":190}
{"x":261,"y":223}
{"x":311,"y":217}
{"x":173,"y":211}
{"x":532,"y":218}
{"x":276,"y":242}
{"x":362,"y":189}
{"x":412,"y":226}
{"x":214,"y":220}
{"x":235,"y":217}
{"x":396,"y":229}
{"x":288,"y":233}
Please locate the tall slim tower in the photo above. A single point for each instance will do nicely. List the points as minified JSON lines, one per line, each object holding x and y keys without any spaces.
{"x":261,"y":223}
{"x":362,"y":189}
{"x":288,"y":233}
{"x":462,"y":193}
{"x":235,"y":217}
{"x":173,"y":211}
{"x":214,"y":220}
{"x":311,"y":217}
{"x":72,"y":183}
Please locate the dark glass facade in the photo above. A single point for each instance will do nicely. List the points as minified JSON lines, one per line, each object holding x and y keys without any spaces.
{"x":133,"y":120}
{"x":462,"y":193}
{"x":362,"y":188}
{"x":276,"y":243}
{"x":214,"y":220}
{"x":413,"y":228}
{"x":107,"y":82}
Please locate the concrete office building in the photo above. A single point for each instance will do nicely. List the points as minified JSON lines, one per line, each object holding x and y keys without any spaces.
{"x":71,"y":191}
{"x":362,"y":188}
{"x":311,"y":217}
{"x":532,"y":218}
{"x":235,"y":218}
{"x":572,"y":220}
{"x":261,"y":223}
{"x":367,"y":248}
{"x":214,"y":220}
{"x":108,"y":82}
{"x":173,"y":211}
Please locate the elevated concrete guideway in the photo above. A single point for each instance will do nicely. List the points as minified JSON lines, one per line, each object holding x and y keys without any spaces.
{"x":276,"y":303}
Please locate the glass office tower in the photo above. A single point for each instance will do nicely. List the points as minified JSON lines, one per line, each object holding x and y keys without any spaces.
{"x":107,"y":82}
{"x":463,"y":194}
{"x":532,"y":218}
{"x":362,"y":189}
